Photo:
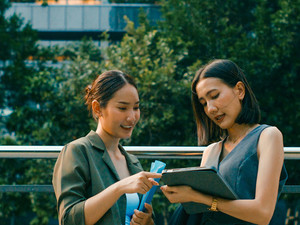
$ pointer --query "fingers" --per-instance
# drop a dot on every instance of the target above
(170, 193)
(147, 179)
(144, 183)
(152, 175)
(166, 188)
(153, 182)
(141, 182)
(177, 194)
(148, 208)
(140, 217)
(137, 218)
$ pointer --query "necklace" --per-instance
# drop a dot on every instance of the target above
(241, 136)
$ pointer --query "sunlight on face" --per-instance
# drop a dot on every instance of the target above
(122, 113)
(220, 102)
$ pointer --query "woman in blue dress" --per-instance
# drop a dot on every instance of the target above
(248, 155)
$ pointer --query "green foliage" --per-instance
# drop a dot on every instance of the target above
(46, 93)
(46, 98)
(12, 204)
(261, 36)
(25, 171)
(55, 112)
(165, 99)
(274, 66)
(42, 204)
(17, 42)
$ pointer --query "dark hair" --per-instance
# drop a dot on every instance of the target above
(105, 86)
(230, 74)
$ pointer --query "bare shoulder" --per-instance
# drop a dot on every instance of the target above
(271, 140)
(271, 133)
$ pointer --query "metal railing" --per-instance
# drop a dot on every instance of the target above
(152, 152)
(142, 152)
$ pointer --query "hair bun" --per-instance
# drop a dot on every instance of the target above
(88, 89)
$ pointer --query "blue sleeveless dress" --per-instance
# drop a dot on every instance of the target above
(239, 168)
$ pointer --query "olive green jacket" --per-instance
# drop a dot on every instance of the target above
(82, 170)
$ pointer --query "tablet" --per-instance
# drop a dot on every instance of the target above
(204, 179)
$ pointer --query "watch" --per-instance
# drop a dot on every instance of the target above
(214, 205)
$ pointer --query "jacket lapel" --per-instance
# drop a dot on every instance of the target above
(97, 142)
(133, 163)
(106, 158)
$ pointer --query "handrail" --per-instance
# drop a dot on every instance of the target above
(150, 152)
(178, 152)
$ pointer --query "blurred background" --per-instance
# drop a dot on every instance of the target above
(50, 50)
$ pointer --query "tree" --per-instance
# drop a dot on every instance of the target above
(56, 115)
(165, 113)
(17, 43)
(259, 35)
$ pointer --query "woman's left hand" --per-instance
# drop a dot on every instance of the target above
(178, 194)
(142, 218)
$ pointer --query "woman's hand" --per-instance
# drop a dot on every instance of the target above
(141, 182)
(142, 218)
(178, 194)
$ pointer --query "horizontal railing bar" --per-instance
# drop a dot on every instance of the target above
(151, 152)
(287, 189)
(291, 189)
(26, 188)
(186, 152)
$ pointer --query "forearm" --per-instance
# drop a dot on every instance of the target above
(96, 206)
(251, 210)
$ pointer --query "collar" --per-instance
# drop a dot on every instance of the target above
(131, 158)
(97, 142)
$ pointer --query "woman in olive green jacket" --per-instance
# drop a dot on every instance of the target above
(94, 175)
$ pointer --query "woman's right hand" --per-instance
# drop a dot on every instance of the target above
(179, 194)
(141, 182)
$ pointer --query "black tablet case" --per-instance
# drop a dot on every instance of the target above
(205, 180)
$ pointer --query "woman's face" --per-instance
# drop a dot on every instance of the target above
(221, 103)
(121, 113)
